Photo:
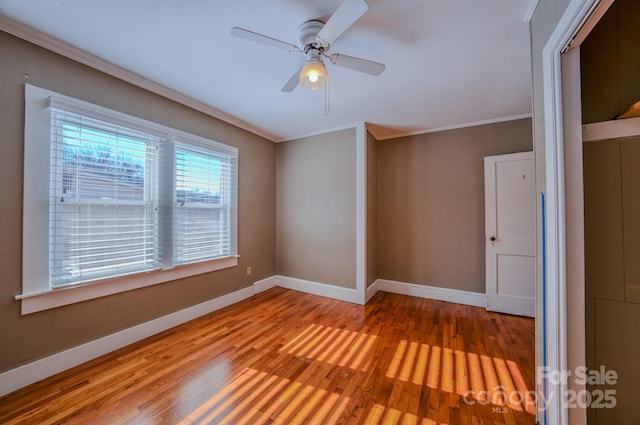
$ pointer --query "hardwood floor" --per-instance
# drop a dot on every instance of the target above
(294, 358)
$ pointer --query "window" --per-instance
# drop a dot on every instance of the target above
(202, 208)
(119, 202)
(103, 204)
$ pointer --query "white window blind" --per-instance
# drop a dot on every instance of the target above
(103, 208)
(204, 203)
(118, 201)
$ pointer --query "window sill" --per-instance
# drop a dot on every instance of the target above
(58, 297)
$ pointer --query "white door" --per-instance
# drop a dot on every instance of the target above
(510, 220)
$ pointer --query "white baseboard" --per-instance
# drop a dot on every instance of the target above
(322, 289)
(371, 291)
(265, 284)
(40, 369)
(475, 299)
(22, 376)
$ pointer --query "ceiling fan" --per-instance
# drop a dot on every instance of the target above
(314, 40)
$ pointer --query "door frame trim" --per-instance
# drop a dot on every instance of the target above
(555, 337)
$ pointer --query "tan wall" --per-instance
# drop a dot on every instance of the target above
(27, 338)
(612, 219)
(372, 208)
(610, 60)
(612, 250)
(316, 208)
(610, 63)
(431, 203)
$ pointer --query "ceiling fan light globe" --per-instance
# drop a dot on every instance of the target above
(313, 75)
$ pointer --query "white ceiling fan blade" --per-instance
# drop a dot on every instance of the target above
(293, 81)
(344, 16)
(263, 39)
(357, 64)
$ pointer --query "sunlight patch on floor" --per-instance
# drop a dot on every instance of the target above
(379, 415)
(485, 379)
(255, 397)
(332, 345)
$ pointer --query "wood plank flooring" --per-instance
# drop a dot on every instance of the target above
(285, 357)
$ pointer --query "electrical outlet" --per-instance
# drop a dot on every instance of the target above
(249, 271)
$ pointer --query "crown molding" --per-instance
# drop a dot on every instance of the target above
(319, 132)
(60, 47)
(380, 135)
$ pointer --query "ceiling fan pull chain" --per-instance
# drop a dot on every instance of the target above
(326, 95)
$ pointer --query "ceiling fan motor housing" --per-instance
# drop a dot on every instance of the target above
(314, 41)
(307, 35)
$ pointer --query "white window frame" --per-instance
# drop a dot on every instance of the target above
(59, 201)
(37, 293)
(228, 190)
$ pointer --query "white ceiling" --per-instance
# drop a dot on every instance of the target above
(449, 62)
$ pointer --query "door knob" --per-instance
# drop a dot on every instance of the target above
(492, 238)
